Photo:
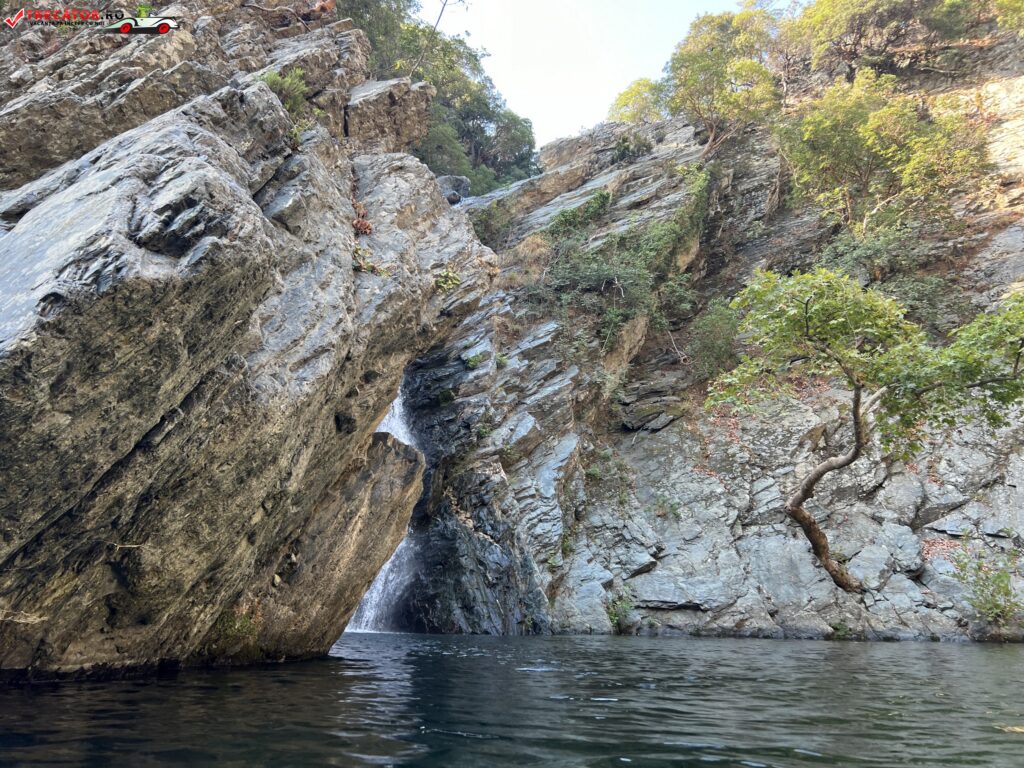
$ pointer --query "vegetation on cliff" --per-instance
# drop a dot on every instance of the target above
(731, 67)
(629, 273)
(472, 133)
(830, 84)
(871, 157)
(899, 382)
(715, 77)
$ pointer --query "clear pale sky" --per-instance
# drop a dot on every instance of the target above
(562, 62)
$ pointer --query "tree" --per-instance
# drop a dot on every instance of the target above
(510, 149)
(826, 323)
(643, 101)
(472, 133)
(382, 21)
(872, 157)
(1011, 14)
(844, 33)
(789, 52)
(714, 77)
(885, 34)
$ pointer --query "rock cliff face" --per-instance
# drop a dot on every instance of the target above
(575, 488)
(196, 346)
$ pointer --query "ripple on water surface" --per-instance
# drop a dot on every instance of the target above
(566, 701)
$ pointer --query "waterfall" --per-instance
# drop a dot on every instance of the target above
(374, 611)
(396, 422)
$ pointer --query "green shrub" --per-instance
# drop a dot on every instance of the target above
(510, 456)
(871, 158)
(662, 505)
(932, 301)
(677, 297)
(1011, 14)
(631, 146)
(572, 221)
(631, 273)
(892, 259)
(447, 281)
(876, 255)
(566, 546)
(989, 577)
(290, 88)
(492, 224)
(712, 340)
(694, 211)
(620, 607)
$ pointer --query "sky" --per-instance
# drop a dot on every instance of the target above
(560, 63)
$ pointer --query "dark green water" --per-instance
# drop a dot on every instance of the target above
(584, 701)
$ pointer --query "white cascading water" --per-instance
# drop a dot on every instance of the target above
(375, 608)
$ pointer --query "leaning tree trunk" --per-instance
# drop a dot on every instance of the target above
(795, 503)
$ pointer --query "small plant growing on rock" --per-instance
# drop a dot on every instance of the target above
(989, 577)
(447, 281)
(296, 131)
(510, 455)
(620, 607)
(841, 631)
(484, 427)
(630, 147)
(711, 349)
(290, 88)
(362, 263)
(663, 505)
(567, 546)
(475, 361)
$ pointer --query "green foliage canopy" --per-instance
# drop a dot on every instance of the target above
(643, 101)
(472, 132)
(715, 77)
(632, 272)
(871, 156)
(884, 34)
(1011, 14)
(827, 323)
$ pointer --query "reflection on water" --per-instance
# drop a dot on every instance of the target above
(581, 701)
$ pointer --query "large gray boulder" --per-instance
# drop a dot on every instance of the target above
(196, 348)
